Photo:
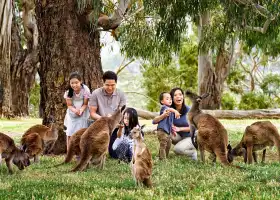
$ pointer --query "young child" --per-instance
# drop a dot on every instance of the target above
(164, 128)
(123, 145)
(77, 113)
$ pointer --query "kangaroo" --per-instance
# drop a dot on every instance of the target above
(74, 146)
(211, 136)
(257, 136)
(141, 164)
(95, 140)
(11, 153)
(33, 145)
(48, 134)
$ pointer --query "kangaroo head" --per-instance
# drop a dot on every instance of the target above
(195, 98)
(116, 117)
(21, 159)
(237, 151)
(136, 132)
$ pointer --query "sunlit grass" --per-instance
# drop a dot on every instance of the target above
(176, 178)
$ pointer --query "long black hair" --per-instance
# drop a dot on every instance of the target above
(70, 89)
(183, 110)
(133, 120)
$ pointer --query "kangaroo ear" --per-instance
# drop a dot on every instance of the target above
(143, 126)
(123, 107)
(188, 92)
(229, 147)
(204, 96)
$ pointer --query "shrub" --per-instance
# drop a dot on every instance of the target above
(228, 101)
(253, 100)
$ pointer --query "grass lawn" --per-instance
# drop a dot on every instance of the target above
(176, 178)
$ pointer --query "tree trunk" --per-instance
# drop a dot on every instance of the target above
(6, 16)
(65, 46)
(225, 114)
(211, 78)
(23, 70)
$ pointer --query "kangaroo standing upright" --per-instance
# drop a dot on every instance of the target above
(95, 140)
(257, 136)
(211, 136)
(141, 164)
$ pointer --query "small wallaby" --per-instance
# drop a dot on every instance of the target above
(141, 163)
(211, 134)
(32, 144)
(95, 140)
(74, 146)
(257, 136)
(11, 153)
(48, 134)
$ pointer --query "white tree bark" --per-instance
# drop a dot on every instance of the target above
(6, 16)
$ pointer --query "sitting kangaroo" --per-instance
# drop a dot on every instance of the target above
(211, 136)
(11, 153)
(257, 136)
(48, 134)
(95, 140)
(33, 145)
(141, 164)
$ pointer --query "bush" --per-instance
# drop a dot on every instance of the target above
(228, 101)
(253, 100)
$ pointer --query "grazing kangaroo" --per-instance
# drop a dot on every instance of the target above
(95, 140)
(74, 146)
(11, 153)
(141, 164)
(211, 136)
(257, 136)
(33, 145)
(48, 134)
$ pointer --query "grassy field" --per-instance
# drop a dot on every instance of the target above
(176, 178)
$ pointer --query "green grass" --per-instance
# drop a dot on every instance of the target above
(176, 178)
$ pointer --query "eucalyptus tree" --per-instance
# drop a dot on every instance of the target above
(220, 24)
(5, 43)
(69, 33)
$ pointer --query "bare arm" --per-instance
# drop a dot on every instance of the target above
(71, 107)
(85, 105)
(157, 119)
(176, 112)
(93, 113)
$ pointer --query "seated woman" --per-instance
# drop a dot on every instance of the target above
(181, 137)
(121, 144)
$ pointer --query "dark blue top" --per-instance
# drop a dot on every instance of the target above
(182, 122)
(166, 123)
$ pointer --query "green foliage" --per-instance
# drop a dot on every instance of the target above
(234, 79)
(228, 101)
(162, 78)
(255, 100)
(34, 100)
(271, 85)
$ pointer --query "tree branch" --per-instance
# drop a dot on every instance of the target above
(260, 29)
(121, 67)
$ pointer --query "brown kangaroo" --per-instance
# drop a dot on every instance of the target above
(141, 164)
(74, 146)
(211, 136)
(32, 144)
(257, 136)
(48, 134)
(11, 153)
(95, 140)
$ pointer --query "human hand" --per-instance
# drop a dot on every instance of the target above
(175, 129)
(177, 114)
(166, 113)
(81, 112)
(77, 112)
